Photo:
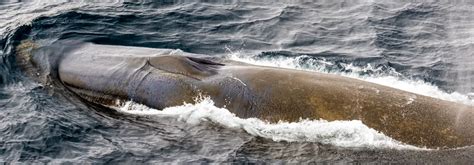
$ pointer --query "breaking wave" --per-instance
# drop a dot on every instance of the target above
(347, 134)
(383, 76)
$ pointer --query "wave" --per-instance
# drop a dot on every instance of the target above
(17, 15)
(383, 76)
(347, 134)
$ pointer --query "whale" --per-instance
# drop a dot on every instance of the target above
(160, 78)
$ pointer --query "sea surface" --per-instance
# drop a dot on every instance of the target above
(425, 47)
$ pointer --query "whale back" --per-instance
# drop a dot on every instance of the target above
(160, 78)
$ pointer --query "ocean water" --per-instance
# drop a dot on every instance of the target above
(425, 47)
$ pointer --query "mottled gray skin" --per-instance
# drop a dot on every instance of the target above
(160, 78)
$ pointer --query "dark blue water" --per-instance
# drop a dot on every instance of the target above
(427, 41)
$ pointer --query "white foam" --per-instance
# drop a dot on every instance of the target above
(347, 134)
(390, 78)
